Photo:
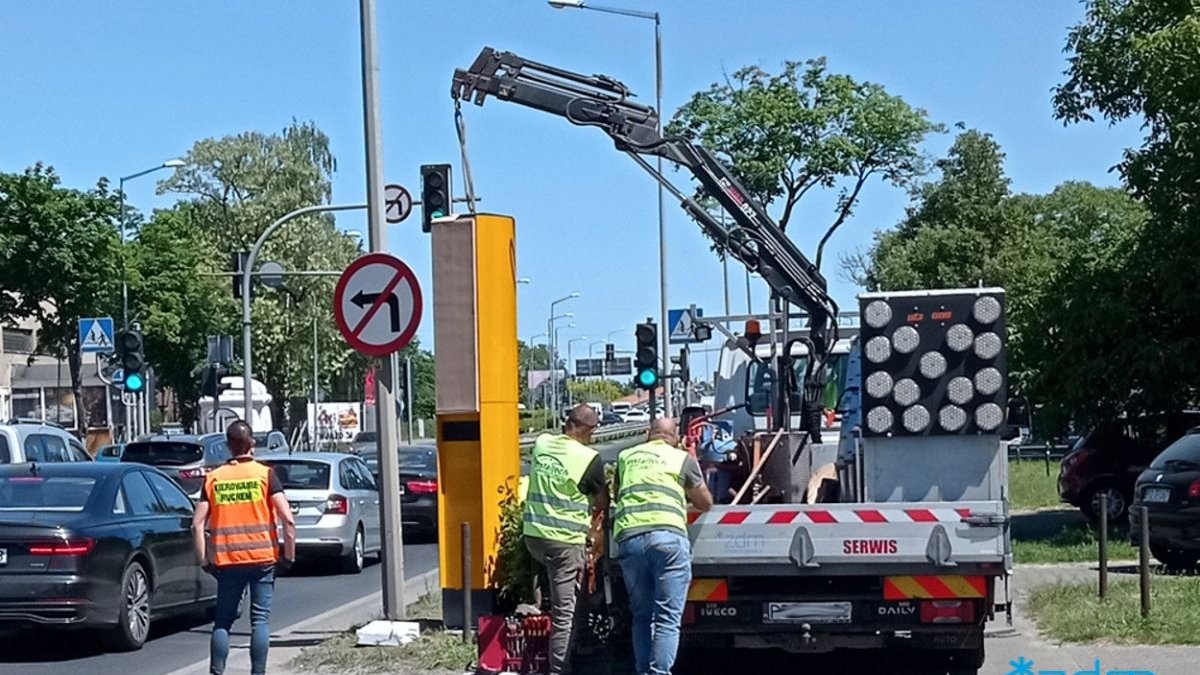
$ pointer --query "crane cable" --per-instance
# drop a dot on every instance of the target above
(460, 125)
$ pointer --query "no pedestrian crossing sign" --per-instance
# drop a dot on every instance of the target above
(377, 304)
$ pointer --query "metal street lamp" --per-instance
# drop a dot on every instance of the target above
(581, 338)
(593, 346)
(529, 345)
(169, 164)
(524, 280)
(554, 344)
(662, 230)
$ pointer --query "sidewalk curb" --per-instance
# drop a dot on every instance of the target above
(334, 620)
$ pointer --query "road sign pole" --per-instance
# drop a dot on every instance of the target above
(385, 402)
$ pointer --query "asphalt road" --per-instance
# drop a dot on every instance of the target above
(308, 590)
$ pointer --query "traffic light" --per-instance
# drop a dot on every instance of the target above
(610, 352)
(131, 350)
(435, 194)
(237, 263)
(681, 361)
(211, 384)
(646, 358)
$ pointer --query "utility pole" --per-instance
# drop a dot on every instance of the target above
(385, 400)
(312, 420)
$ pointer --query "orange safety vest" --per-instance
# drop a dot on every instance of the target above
(241, 521)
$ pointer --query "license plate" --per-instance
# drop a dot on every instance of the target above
(3, 556)
(1157, 495)
(806, 612)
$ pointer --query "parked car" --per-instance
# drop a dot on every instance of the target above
(609, 417)
(271, 442)
(30, 440)
(1169, 490)
(97, 544)
(636, 415)
(1109, 459)
(110, 453)
(419, 490)
(186, 459)
(335, 503)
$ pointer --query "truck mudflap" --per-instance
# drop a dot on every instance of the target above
(847, 538)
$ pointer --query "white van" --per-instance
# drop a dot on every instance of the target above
(620, 407)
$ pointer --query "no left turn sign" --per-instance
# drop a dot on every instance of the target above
(377, 304)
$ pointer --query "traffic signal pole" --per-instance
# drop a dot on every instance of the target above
(385, 390)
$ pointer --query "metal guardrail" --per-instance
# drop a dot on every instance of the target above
(1038, 451)
(603, 434)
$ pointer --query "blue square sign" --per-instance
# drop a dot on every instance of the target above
(679, 326)
(96, 335)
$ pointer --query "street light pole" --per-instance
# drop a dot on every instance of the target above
(662, 229)
(571, 397)
(554, 347)
(169, 164)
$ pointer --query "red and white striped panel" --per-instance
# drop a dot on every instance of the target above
(793, 516)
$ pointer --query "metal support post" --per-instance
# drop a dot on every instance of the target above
(468, 620)
(385, 397)
(312, 422)
(662, 224)
(408, 393)
(1144, 561)
(1103, 545)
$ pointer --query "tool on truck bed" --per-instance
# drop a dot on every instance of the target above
(752, 238)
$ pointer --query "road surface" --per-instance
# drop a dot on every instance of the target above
(307, 591)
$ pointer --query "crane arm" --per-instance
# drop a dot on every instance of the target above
(753, 238)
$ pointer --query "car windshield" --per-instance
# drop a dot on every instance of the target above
(301, 475)
(418, 461)
(163, 453)
(1183, 454)
(45, 493)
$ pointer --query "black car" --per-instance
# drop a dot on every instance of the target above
(609, 417)
(419, 489)
(97, 544)
(1170, 493)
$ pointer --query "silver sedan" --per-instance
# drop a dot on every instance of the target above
(335, 503)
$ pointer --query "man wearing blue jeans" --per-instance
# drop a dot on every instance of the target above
(655, 482)
(241, 507)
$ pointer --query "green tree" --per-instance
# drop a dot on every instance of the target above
(235, 187)
(179, 306)
(785, 134)
(1063, 259)
(1136, 59)
(595, 391)
(60, 260)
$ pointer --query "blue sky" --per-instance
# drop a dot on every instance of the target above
(109, 88)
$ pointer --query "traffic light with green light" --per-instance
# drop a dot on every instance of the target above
(131, 350)
(435, 194)
(646, 358)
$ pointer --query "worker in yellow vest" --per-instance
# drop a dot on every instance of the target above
(564, 509)
(655, 482)
(241, 508)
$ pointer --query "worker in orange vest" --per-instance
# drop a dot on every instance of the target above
(241, 507)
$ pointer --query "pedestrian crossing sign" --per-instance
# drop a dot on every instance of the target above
(96, 335)
(679, 326)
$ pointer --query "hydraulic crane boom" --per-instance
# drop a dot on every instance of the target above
(753, 238)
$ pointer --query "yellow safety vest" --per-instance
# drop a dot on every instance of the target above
(651, 492)
(555, 509)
